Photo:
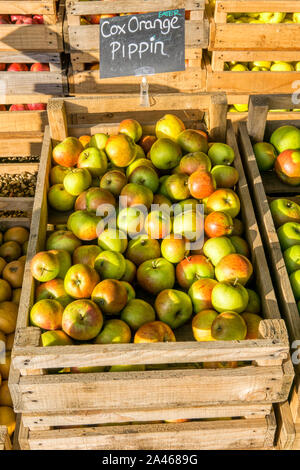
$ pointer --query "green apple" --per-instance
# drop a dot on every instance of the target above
(240, 245)
(292, 258)
(177, 187)
(261, 64)
(138, 367)
(289, 235)
(216, 248)
(286, 138)
(113, 239)
(254, 303)
(146, 176)
(94, 160)
(276, 17)
(77, 181)
(137, 312)
(229, 326)
(221, 154)
(282, 67)
(130, 290)
(59, 199)
(296, 17)
(265, 155)
(173, 307)
(225, 176)
(283, 210)
(229, 297)
(241, 108)
(238, 68)
(110, 265)
(131, 220)
(99, 141)
(138, 162)
(189, 225)
(295, 282)
(55, 338)
(165, 154)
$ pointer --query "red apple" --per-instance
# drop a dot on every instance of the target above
(287, 167)
(158, 224)
(38, 67)
(17, 68)
(39, 19)
(67, 152)
(84, 225)
(44, 266)
(135, 195)
(82, 320)
(234, 268)
(110, 295)
(47, 314)
(192, 162)
(200, 293)
(201, 184)
(53, 289)
(80, 281)
(18, 107)
(218, 224)
(37, 106)
(154, 332)
(193, 268)
(86, 254)
(224, 200)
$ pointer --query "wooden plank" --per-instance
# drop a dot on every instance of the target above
(16, 203)
(6, 223)
(253, 6)
(286, 428)
(49, 83)
(5, 442)
(17, 168)
(23, 121)
(27, 7)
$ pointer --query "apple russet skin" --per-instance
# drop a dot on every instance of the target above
(136, 195)
(80, 281)
(142, 248)
(193, 268)
(155, 275)
(218, 224)
(287, 167)
(173, 307)
(224, 200)
(252, 322)
(289, 235)
(292, 258)
(56, 338)
(165, 154)
(85, 225)
(226, 296)
(174, 249)
(265, 155)
(154, 332)
(82, 320)
(44, 266)
(77, 181)
(94, 160)
(113, 181)
(110, 295)
(113, 239)
(121, 150)
(10, 251)
(63, 240)
(86, 254)
(67, 152)
(59, 199)
(286, 138)
(191, 140)
(229, 326)
(53, 289)
(137, 312)
(202, 323)
(201, 184)
(221, 154)
(216, 248)
(193, 162)
(283, 210)
(169, 126)
(234, 268)
(47, 314)
(114, 332)
(110, 265)
(200, 293)
(16, 234)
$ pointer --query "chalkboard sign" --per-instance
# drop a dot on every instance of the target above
(142, 44)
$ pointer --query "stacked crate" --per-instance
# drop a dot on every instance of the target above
(83, 43)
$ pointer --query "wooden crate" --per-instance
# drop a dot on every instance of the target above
(268, 37)
(32, 87)
(56, 400)
(83, 41)
(263, 187)
(5, 442)
(249, 82)
(35, 37)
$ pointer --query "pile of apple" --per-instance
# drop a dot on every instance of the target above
(282, 153)
(21, 19)
(286, 217)
(104, 284)
(260, 18)
(262, 66)
(13, 248)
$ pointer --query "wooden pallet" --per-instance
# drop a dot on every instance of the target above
(249, 82)
(74, 399)
(83, 41)
(268, 37)
(37, 37)
(260, 127)
(32, 87)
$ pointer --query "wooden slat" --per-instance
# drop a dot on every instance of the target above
(27, 7)
(23, 121)
(17, 168)
(5, 442)
(253, 6)
(26, 83)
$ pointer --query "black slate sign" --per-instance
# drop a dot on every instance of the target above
(142, 44)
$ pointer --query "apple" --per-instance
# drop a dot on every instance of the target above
(130, 272)
(82, 320)
(44, 266)
(254, 303)
(131, 128)
(17, 68)
(174, 248)
(221, 154)
(18, 107)
(177, 187)
(200, 294)
(5, 290)
(142, 248)
(154, 332)
(286, 138)
(137, 163)
(131, 221)
(16, 234)
(283, 210)
(113, 239)
(13, 274)
(47, 314)
(114, 332)
(191, 140)
(85, 140)
(218, 224)
(165, 154)
(193, 162)
(225, 176)
(136, 313)
(238, 227)
(288, 234)
(62, 240)
(169, 126)
(234, 268)
(38, 67)
(295, 283)
(155, 275)
(193, 268)
(53, 289)
(110, 265)
(65, 261)
(201, 184)
(59, 199)
(80, 281)
(8, 317)
(136, 195)
(158, 224)
(55, 338)
(113, 181)
(85, 225)
(110, 295)
(224, 200)
(10, 251)
(292, 258)
(238, 68)
(5, 397)
(130, 290)
(99, 141)
(77, 180)
(86, 254)
(265, 155)
(121, 150)
(146, 142)
(296, 17)
(57, 174)
(229, 326)
(37, 106)
(227, 296)
(173, 307)
(126, 368)
(216, 248)
(98, 200)
(189, 224)
(252, 323)
(202, 324)
(287, 167)
(93, 160)
(67, 152)
(282, 67)
(145, 176)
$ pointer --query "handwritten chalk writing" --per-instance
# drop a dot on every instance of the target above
(169, 13)
(127, 51)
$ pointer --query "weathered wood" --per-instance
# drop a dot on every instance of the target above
(5, 442)
(27, 7)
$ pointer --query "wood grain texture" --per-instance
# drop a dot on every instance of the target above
(5, 442)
